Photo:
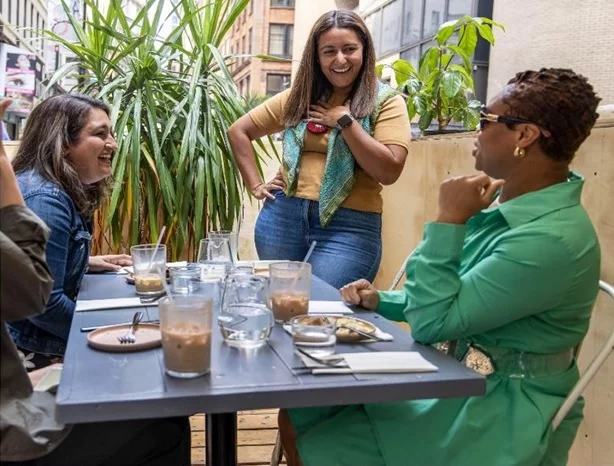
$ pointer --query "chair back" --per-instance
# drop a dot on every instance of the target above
(592, 369)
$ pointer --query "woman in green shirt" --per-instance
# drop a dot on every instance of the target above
(509, 271)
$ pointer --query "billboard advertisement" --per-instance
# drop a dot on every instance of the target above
(19, 70)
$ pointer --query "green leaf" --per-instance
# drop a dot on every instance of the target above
(403, 70)
(451, 82)
(446, 31)
(468, 39)
(486, 33)
(425, 120)
(461, 53)
(379, 70)
(420, 103)
(429, 61)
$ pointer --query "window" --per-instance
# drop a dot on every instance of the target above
(433, 15)
(275, 83)
(250, 40)
(459, 8)
(412, 55)
(243, 50)
(391, 27)
(247, 82)
(283, 3)
(280, 40)
(412, 19)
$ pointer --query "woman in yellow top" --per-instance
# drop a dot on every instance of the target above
(513, 282)
(346, 135)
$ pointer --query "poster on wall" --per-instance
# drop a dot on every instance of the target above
(20, 81)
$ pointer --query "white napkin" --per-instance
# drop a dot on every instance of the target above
(328, 307)
(385, 362)
(115, 303)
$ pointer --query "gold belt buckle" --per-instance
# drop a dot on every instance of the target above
(478, 361)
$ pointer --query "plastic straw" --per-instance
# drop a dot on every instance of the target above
(300, 270)
(153, 256)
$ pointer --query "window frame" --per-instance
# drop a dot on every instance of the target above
(287, 41)
(282, 75)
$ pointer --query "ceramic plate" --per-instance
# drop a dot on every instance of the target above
(105, 338)
(345, 335)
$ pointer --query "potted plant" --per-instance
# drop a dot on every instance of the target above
(172, 100)
(441, 89)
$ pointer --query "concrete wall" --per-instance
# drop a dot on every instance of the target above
(555, 33)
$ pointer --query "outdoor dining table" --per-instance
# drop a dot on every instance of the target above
(100, 386)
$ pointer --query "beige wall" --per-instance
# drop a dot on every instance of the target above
(555, 33)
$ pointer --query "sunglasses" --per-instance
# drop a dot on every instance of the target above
(486, 117)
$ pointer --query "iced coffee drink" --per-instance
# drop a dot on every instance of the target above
(289, 289)
(289, 304)
(187, 349)
(149, 265)
(185, 324)
(148, 284)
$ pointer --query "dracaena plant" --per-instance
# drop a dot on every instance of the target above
(441, 89)
(172, 100)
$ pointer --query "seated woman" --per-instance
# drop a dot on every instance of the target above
(509, 270)
(62, 165)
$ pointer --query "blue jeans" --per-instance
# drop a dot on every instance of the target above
(349, 248)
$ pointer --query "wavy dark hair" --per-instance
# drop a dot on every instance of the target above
(559, 100)
(52, 127)
(310, 85)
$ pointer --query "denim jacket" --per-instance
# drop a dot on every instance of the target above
(67, 255)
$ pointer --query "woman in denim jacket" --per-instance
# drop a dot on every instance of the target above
(62, 166)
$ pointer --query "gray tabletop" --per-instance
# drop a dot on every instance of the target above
(100, 386)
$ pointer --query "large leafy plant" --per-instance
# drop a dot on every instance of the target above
(441, 89)
(172, 100)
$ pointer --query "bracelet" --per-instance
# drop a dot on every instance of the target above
(256, 187)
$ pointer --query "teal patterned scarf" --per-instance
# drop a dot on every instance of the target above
(339, 176)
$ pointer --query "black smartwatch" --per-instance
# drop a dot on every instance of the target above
(345, 121)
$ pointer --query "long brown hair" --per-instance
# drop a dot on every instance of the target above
(310, 85)
(52, 127)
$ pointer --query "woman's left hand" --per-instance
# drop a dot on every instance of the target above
(324, 113)
(461, 197)
(110, 263)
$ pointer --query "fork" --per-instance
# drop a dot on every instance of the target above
(129, 336)
(331, 362)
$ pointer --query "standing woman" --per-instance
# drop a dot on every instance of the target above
(346, 135)
(62, 167)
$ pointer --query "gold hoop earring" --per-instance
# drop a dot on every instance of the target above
(519, 153)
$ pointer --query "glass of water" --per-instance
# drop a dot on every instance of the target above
(315, 335)
(185, 279)
(215, 256)
(245, 320)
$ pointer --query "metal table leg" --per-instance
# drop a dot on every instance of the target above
(221, 442)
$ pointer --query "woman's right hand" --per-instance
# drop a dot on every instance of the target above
(360, 293)
(262, 190)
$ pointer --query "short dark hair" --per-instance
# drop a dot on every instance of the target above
(310, 85)
(560, 101)
(52, 127)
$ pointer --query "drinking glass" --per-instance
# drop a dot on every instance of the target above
(215, 255)
(289, 289)
(233, 241)
(185, 279)
(149, 269)
(314, 334)
(185, 325)
(245, 320)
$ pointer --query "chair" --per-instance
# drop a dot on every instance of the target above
(591, 371)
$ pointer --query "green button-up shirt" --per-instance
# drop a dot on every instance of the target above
(521, 275)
